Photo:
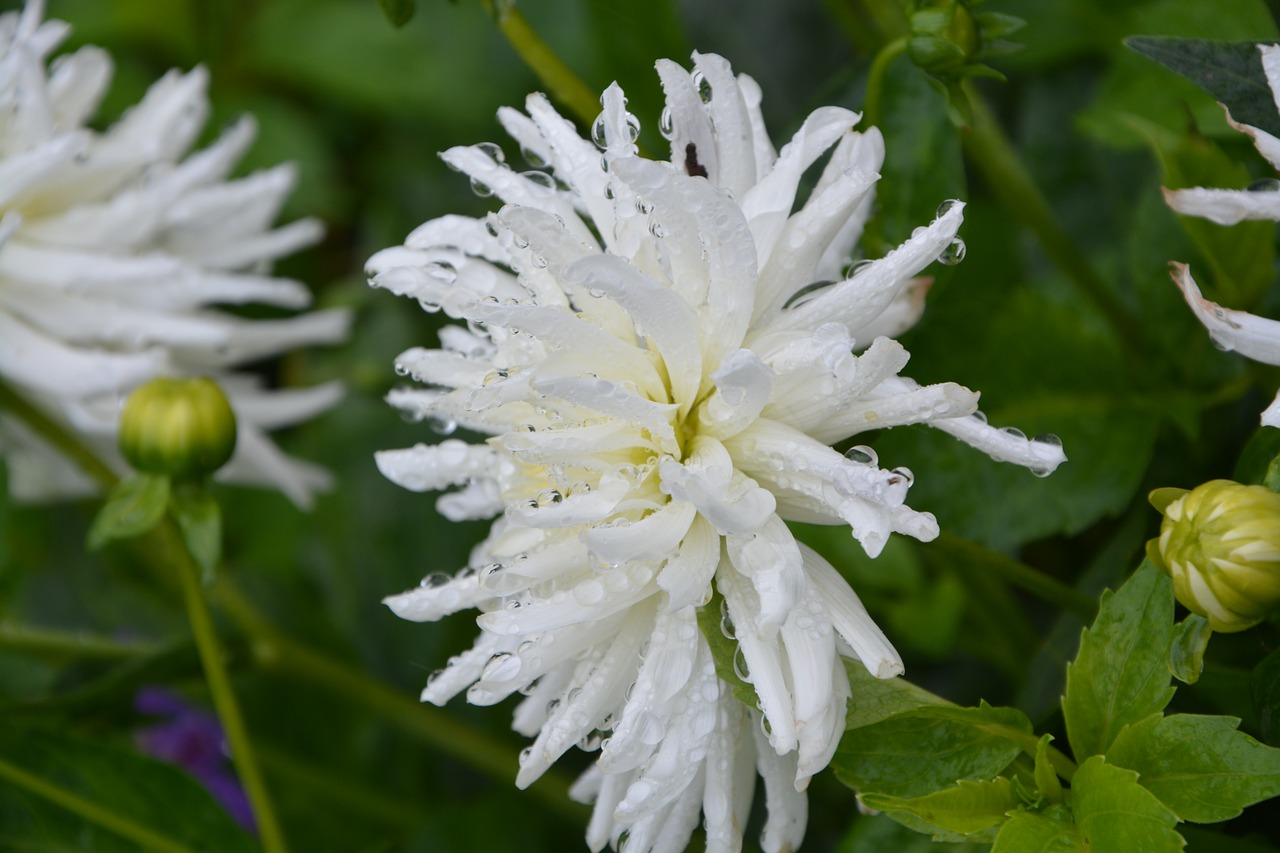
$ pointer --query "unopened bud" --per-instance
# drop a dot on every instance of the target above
(180, 427)
(1220, 542)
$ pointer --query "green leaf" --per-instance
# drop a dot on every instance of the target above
(1046, 777)
(876, 699)
(143, 791)
(132, 508)
(1264, 687)
(1230, 71)
(1121, 673)
(398, 12)
(1201, 767)
(880, 834)
(920, 751)
(1186, 652)
(200, 521)
(724, 651)
(1115, 814)
(967, 809)
(1255, 460)
(1049, 831)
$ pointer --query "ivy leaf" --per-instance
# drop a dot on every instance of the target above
(134, 506)
(1186, 652)
(1230, 71)
(1048, 831)
(1201, 767)
(930, 748)
(1115, 813)
(1121, 674)
(200, 521)
(966, 809)
(398, 12)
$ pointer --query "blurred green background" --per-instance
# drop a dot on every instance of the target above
(362, 108)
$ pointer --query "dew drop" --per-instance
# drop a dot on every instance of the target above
(435, 580)
(857, 268)
(493, 150)
(804, 294)
(519, 241)
(1265, 185)
(541, 179)
(494, 376)
(597, 132)
(503, 666)
(480, 188)
(442, 425)
(533, 158)
(608, 192)
(953, 254)
(539, 262)
(862, 455)
(643, 207)
(656, 229)
(633, 128)
(946, 207)
(906, 474)
(1048, 438)
(703, 85)
(740, 667)
(726, 622)
(666, 124)
(549, 497)
(1014, 432)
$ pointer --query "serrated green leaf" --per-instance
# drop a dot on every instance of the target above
(1115, 814)
(1201, 767)
(132, 508)
(1121, 673)
(200, 521)
(1047, 782)
(1264, 688)
(875, 699)
(398, 12)
(920, 751)
(146, 792)
(1186, 652)
(724, 650)
(967, 809)
(1230, 71)
(1048, 831)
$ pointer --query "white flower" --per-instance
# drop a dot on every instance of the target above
(661, 384)
(115, 250)
(1253, 337)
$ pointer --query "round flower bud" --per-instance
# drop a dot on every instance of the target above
(1220, 542)
(180, 427)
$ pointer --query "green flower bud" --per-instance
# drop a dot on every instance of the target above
(1220, 542)
(181, 427)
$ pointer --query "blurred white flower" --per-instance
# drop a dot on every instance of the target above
(116, 249)
(661, 354)
(1253, 337)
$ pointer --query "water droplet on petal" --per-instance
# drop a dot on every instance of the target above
(633, 128)
(953, 254)
(549, 497)
(862, 455)
(434, 580)
(857, 268)
(1014, 432)
(703, 85)
(906, 474)
(533, 158)
(804, 294)
(480, 188)
(503, 666)
(1265, 185)
(493, 150)
(945, 207)
(666, 124)
(541, 179)
(597, 132)
(1048, 438)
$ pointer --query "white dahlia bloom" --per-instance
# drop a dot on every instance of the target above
(116, 249)
(661, 354)
(1253, 337)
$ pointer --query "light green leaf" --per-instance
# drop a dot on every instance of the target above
(967, 809)
(1046, 777)
(1049, 831)
(200, 521)
(132, 508)
(920, 751)
(1230, 71)
(1121, 673)
(1201, 767)
(875, 699)
(880, 834)
(1186, 652)
(1117, 815)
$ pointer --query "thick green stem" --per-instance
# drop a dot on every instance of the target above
(562, 84)
(66, 645)
(872, 104)
(145, 838)
(991, 152)
(224, 699)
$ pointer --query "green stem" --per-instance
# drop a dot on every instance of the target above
(1023, 576)
(63, 645)
(562, 84)
(438, 729)
(872, 104)
(224, 700)
(144, 837)
(994, 156)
